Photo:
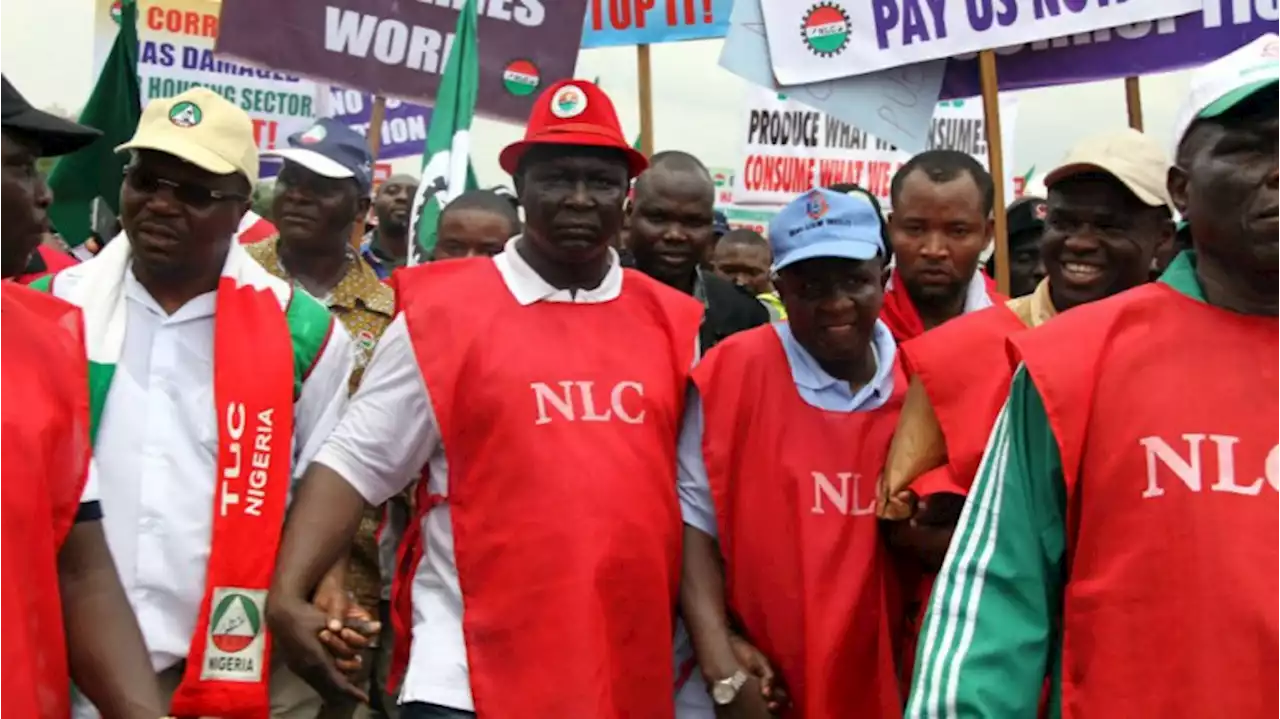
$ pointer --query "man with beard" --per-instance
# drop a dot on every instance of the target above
(386, 246)
(672, 232)
(1108, 216)
(1113, 538)
(940, 224)
(66, 614)
(536, 397)
(212, 382)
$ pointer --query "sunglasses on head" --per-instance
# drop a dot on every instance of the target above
(191, 195)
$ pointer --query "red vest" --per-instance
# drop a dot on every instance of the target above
(560, 423)
(964, 367)
(45, 445)
(1165, 412)
(806, 570)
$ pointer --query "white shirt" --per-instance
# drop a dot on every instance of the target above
(156, 456)
(387, 435)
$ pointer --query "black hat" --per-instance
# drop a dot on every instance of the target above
(1026, 216)
(53, 134)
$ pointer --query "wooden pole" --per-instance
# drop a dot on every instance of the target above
(646, 100)
(376, 115)
(995, 153)
(1133, 101)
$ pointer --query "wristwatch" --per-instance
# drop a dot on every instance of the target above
(725, 691)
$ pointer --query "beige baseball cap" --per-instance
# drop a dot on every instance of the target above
(1128, 155)
(201, 127)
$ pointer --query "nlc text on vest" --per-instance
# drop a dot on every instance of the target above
(577, 401)
(839, 497)
(1188, 469)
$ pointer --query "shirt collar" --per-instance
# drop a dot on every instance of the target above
(529, 287)
(808, 374)
(1181, 276)
(360, 286)
(976, 296)
(1036, 308)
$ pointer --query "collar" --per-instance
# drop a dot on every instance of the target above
(808, 374)
(1181, 276)
(1036, 308)
(976, 296)
(529, 287)
(359, 288)
(373, 247)
(700, 288)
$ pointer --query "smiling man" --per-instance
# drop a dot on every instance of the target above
(213, 383)
(1113, 538)
(671, 235)
(534, 398)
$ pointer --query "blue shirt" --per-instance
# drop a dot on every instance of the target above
(816, 387)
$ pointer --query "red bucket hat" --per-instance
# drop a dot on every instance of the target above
(573, 112)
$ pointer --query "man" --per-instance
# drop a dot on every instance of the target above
(211, 379)
(1025, 219)
(672, 231)
(940, 224)
(1111, 542)
(386, 246)
(476, 223)
(553, 381)
(743, 257)
(66, 613)
(777, 483)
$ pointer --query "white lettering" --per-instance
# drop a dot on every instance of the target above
(530, 13)
(589, 413)
(563, 403)
(391, 41)
(1186, 470)
(1272, 468)
(424, 49)
(1227, 468)
(615, 400)
(822, 487)
(347, 31)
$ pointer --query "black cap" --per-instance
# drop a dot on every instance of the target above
(53, 134)
(1026, 217)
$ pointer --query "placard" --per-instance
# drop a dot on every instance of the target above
(611, 23)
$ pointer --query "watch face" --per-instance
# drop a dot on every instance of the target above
(723, 693)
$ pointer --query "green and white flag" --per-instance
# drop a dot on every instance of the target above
(446, 166)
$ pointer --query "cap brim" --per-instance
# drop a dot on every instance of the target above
(838, 249)
(1224, 104)
(1082, 168)
(509, 159)
(313, 161)
(186, 151)
(52, 134)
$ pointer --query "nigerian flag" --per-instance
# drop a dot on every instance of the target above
(446, 166)
(114, 108)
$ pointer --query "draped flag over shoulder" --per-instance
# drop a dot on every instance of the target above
(446, 160)
(114, 108)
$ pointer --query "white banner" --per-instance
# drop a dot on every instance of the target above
(811, 41)
(786, 143)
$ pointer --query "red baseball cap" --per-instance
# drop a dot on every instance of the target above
(573, 112)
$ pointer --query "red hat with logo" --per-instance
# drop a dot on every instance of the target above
(573, 112)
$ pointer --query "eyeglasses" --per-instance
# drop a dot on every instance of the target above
(194, 196)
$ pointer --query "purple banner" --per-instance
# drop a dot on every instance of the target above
(397, 48)
(1138, 49)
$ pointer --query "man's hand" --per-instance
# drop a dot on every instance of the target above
(349, 628)
(757, 665)
(297, 626)
(749, 704)
(894, 506)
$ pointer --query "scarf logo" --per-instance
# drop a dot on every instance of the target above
(237, 640)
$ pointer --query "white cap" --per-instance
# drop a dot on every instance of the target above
(1227, 81)
(1127, 155)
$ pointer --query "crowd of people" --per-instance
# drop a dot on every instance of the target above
(603, 457)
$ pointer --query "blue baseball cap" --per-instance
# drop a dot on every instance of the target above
(823, 223)
(330, 149)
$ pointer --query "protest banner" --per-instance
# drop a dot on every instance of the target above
(613, 23)
(175, 53)
(785, 141)
(1141, 48)
(404, 126)
(722, 177)
(814, 41)
(895, 104)
(755, 219)
(398, 49)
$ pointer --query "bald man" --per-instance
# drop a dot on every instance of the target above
(672, 233)
(386, 247)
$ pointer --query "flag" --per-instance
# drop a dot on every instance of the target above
(97, 170)
(446, 161)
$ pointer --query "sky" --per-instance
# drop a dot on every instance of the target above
(697, 106)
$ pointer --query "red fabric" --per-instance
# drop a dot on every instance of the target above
(45, 444)
(1170, 603)
(964, 367)
(806, 570)
(227, 665)
(54, 261)
(566, 532)
(900, 314)
(260, 229)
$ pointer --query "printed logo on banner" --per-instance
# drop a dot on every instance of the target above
(825, 29)
(521, 78)
(569, 101)
(816, 206)
(185, 114)
(236, 639)
(312, 136)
